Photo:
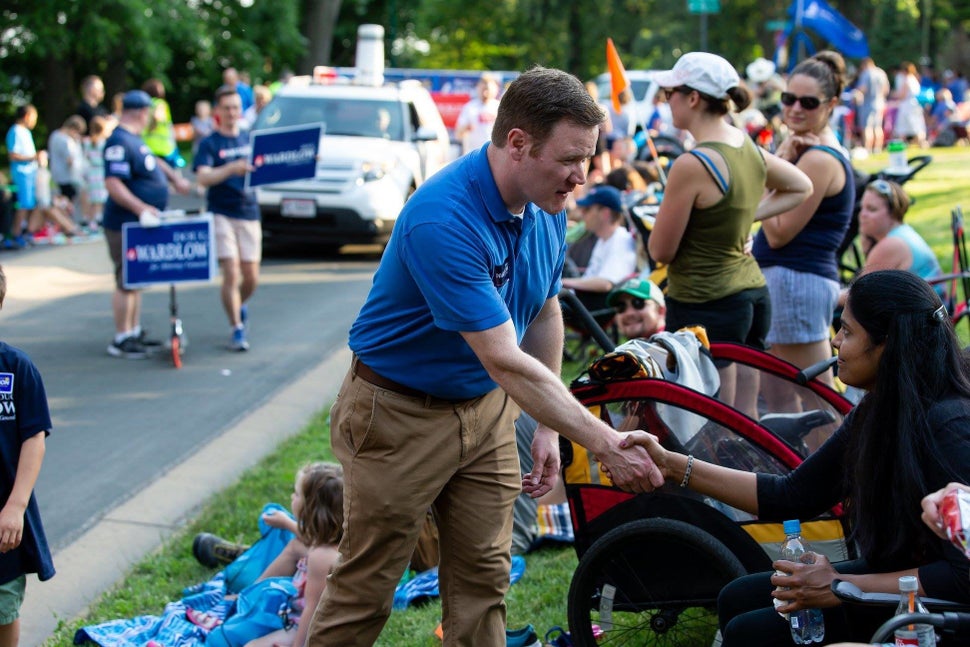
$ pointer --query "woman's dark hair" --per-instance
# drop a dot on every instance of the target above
(826, 67)
(739, 95)
(321, 521)
(155, 88)
(921, 363)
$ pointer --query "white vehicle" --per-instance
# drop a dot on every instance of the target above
(642, 87)
(379, 143)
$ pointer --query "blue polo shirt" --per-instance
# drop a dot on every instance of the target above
(23, 414)
(227, 198)
(127, 157)
(457, 261)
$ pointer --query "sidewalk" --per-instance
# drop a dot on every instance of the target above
(101, 556)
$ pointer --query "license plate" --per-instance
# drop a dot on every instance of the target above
(298, 208)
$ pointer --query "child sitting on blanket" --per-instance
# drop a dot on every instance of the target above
(317, 505)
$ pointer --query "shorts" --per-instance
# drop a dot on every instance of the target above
(870, 116)
(69, 191)
(742, 318)
(238, 238)
(11, 599)
(113, 238)
(801, 305)
(26, 183)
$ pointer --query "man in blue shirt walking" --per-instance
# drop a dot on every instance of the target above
(461, 328)
(221, 164)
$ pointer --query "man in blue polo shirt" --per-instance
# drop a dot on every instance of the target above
(137, 184)
(461, 328)
(221, 164)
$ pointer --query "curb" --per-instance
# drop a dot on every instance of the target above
(100, 557)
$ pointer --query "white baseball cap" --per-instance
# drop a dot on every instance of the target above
(701, 71)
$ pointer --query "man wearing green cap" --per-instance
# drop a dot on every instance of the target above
(640, 308)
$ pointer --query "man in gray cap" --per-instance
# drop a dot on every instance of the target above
(137, 184)
(614, 256)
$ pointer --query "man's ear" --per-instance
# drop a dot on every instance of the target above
(519, 143)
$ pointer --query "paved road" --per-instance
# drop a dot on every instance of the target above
(120, 424)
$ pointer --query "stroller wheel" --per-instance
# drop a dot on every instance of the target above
(650, 582)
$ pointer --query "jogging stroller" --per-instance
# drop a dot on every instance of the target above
(651, 565)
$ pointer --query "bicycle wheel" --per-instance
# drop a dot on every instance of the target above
(650, 582)
(177, 351)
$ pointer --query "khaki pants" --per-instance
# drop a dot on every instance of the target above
(402, 455)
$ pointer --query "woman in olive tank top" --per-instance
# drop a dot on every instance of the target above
(713, 196)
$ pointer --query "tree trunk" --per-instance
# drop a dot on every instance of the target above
(319, 21)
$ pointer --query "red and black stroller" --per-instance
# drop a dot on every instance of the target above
(651, 565)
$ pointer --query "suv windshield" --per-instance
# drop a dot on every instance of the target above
(351, 117)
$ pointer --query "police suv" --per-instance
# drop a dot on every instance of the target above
(379, 143)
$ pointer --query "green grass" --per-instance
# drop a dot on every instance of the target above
(540, 597)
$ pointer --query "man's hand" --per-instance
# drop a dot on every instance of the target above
(630, 466)
(545, 463)
(11, 527)
(182, 185)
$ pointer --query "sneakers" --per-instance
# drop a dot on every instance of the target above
(212, 551)
(146, 342)
(524, 637)
(238, 341)
(128, 348)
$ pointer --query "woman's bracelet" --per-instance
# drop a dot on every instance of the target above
(690, 466)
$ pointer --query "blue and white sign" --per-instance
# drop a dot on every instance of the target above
(177, 251)
(284, 154)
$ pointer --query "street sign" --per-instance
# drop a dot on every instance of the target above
(704, 6)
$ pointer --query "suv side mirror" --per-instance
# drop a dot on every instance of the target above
(425, 134)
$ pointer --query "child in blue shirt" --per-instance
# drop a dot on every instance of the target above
(25, 423)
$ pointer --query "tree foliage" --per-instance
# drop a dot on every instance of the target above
(47, 46)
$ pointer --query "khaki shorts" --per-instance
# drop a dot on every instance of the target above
(237, 238)
(11, 598)
(113, 238)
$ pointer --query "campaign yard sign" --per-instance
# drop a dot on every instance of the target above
(177, 251)
(283, 154)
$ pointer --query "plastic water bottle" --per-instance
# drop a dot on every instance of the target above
(807, 625)
(909, 602)
(897, 156)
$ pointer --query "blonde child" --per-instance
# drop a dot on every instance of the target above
(317, 505)
(100, 129)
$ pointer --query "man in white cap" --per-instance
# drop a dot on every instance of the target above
(137, 184)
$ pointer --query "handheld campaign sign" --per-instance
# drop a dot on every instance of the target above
(177, 251)
(284, 154)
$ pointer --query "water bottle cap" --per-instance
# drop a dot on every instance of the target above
(895, 146)
(908, 583)
(793, 527)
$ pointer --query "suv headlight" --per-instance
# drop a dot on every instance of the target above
(370, 171)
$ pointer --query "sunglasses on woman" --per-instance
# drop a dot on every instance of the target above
(637, 303)
(680, 89)
(808, 102)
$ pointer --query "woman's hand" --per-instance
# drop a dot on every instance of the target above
(794, 145)
(809, 586)
(931, 508)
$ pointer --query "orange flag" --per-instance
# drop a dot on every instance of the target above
(618, 80)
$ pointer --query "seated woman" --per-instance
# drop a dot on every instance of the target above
(887, 241)
(908, 436)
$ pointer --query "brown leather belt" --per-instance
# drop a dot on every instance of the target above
(365, 372)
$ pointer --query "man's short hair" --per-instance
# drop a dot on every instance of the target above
(223, 91)
(23, 110)
(75, 123)
(538, 100)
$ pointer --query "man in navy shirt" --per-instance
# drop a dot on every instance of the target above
(137, 184)
(221, 164)
(461, 328)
